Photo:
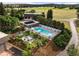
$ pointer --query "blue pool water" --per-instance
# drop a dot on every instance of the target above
(43, 31)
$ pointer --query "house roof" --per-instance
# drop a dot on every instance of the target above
(32, 14)
(3, 35)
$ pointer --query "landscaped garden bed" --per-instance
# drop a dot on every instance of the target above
(27, 46)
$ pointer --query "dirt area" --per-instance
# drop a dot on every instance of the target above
(6, 53)
(49, 50)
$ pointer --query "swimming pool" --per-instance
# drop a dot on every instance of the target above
(43, 31)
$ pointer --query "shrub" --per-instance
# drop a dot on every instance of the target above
(13, 12)
(59, 41)
(26, 33)
(8, 23)
(26, 53)
(43, 14)
(77, 23)
(62, 40)
(72, 51)
(19, 14)
(32, 11)
(41, 19)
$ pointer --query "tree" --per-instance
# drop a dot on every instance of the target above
(2, 10)
(44, 21)
(49, 22)
(59, 41)
(77, 23)
(62, 40)
(49, 14)
(8, 23)
(19, 14)
(32, 11)
(43, 14)
(41, 19)
(78, 13)
(13, 12)
(72, 51)
(62, 26)
(26, 33)
(58, 25)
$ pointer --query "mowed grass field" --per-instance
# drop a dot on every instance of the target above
(57, 13)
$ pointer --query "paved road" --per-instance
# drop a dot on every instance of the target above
(74, 39)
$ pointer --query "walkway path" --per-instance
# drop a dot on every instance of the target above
(74, 39)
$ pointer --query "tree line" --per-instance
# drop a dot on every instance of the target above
(42, 5)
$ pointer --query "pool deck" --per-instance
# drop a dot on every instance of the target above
(53, 31)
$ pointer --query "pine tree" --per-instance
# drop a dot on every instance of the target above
(49, 14)
(2, 10)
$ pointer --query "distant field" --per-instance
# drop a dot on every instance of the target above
(57, 13)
